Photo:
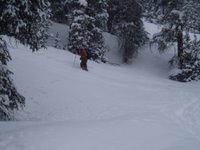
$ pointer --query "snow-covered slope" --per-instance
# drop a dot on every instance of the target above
(60, 30)
(126, 107)
(109, 107)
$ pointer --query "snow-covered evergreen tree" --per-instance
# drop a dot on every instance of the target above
(148, 8)
(84, 32)
(191, 62)
(128, 26)
(26, 21)
(165, 10)
(172, 20)
(10, 99)
(192, 16)
(79, 34)
(58, 11)
(98, 9)
(176, 17)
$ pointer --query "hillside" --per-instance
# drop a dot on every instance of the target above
(109, 107)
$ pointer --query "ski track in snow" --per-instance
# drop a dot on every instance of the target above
(186, 112)
(109, 107)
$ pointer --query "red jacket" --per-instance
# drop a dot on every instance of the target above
(83, 53)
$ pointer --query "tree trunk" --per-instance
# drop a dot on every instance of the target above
(180, 48)
(111, 14)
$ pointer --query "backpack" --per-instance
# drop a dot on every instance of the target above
(89, 53)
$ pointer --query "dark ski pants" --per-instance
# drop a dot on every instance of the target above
(83, 63)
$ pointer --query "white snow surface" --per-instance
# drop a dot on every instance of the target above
(126, 107)
(61, 30)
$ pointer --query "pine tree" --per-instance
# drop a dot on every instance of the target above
(149, 7)
(79, 34)
(112, 10)
(10, 99)
(85, 29)
(177, 17)
(192, 16)
(26, 21)
(98, 10)
(170, 17)
(128, 26)
(58, 11)
(191, 62)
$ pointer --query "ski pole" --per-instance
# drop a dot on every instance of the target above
(74, 60)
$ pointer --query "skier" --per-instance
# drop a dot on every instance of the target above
(82, 52)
